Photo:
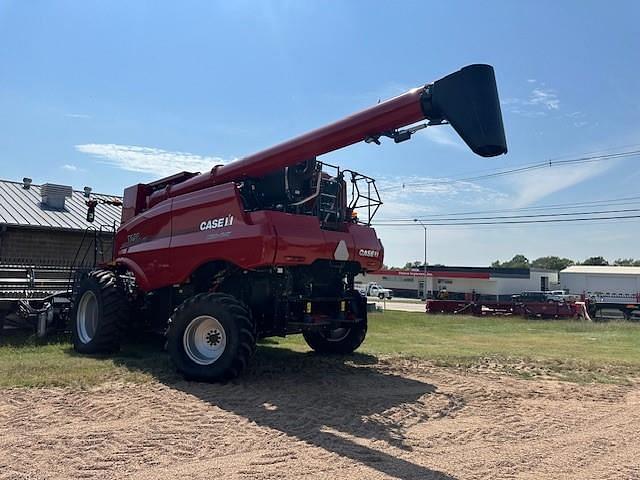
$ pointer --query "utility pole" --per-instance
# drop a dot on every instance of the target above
(424, 288)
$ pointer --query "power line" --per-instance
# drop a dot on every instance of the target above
(600, 203)
(601, 151)
(502, 228)
(522, 169)
(507, 222)
(564, 214)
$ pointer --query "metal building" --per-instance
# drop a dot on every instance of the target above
(461, 282)
(604, 283)
(44, 235)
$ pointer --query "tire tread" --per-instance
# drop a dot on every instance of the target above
(245, 328)
(113, 312)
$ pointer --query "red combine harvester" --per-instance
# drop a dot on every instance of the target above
(267, 245)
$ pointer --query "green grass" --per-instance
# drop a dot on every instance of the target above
(571, 350)
(31, 362)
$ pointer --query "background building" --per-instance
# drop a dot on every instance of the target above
(46, 225)
(606, 283)
(460, 282)
(44, 236)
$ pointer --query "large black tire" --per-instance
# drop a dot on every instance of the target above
(211, 337)
(342, 340)
(100, 310)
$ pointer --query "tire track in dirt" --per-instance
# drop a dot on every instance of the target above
(315, 418)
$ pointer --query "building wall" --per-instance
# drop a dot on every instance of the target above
(609, 287)
(33, 246)
(460, 287)
(405, 286)
(511, 286)
(498, 287)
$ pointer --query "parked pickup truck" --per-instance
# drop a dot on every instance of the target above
(561, 296)
(374, 290)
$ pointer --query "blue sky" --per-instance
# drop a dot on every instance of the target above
(108, 94)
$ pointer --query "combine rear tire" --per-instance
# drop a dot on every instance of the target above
(342, 340)
(99, 313)
(211, 337)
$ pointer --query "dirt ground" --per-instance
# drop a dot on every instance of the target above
(302, 418)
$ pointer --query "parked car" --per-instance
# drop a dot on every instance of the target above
(374, 290)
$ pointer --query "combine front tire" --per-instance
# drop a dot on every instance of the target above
(99, 313)
(342, 340)
(211, 337)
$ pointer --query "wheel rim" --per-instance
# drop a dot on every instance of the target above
(204, 340)
(337, 334)
(87, 317)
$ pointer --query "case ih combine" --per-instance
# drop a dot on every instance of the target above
(269, 244)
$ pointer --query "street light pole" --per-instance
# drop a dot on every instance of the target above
(424, 288)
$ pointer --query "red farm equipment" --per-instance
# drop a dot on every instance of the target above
(267, 245)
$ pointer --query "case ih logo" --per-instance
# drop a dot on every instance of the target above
(216, 223)
(369, 253)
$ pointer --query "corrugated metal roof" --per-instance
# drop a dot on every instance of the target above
(23, 207)
(609, 270)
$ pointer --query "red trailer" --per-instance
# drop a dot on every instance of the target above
(533, 309)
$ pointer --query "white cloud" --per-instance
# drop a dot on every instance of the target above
(69, 167)
(579, 118)
(77, 115)
(541, 183)
(414, 196)
(541, 100)
(510, 101)
(392, 209)
(545, 97)
(154, 161)
(398, 187)
(443, 135)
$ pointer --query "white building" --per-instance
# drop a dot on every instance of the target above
(607, 284)
(462, 282)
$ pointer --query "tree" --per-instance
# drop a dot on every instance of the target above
(627, 262)
(518, 261)
(416, 264)
(595, 261)
(552, 263)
